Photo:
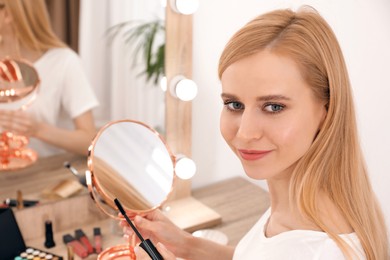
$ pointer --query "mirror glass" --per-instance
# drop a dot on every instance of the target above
(130, 161)
(122, 89)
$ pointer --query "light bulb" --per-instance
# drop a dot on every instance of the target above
(185, 168)
(163, 83)
(183, 88)
(185, 7)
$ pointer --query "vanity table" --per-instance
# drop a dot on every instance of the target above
(44, 173)
(239, 202)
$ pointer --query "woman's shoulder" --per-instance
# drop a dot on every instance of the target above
(58, 54)
(58, 58)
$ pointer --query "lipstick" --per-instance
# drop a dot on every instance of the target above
(79, 234)
(77, 247)
(98, 240)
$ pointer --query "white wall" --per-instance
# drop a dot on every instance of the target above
(363, 30)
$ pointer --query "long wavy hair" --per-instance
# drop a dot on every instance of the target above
(31, 24)
(334, 163)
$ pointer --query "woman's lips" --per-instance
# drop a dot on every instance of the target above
(252, 155)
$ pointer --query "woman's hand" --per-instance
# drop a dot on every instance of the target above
(159, 229)
(18, 122)
(164, 252)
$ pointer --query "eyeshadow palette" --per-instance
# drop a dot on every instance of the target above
(12, 245)
(36, 254)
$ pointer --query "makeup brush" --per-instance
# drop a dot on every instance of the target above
(80, 177)
(147, 245)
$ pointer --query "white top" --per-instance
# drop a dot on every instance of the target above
(295, 244)
(63, 94)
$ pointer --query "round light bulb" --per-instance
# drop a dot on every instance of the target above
(186, 6)
(164, 83)
(185, 168)
(186, 89)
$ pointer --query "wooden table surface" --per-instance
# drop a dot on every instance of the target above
(239, 202)
(43, 174)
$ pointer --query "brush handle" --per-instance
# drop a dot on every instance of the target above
(148, 246)
(123, 212)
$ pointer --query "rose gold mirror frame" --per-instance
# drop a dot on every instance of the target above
(94, 186)
(21, 156)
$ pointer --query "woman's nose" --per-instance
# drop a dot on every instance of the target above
(250, 127)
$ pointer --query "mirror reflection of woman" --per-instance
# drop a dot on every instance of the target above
(61, 116)
(289, 117)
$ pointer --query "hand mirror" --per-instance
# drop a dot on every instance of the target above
(19, 82)
(130, 161)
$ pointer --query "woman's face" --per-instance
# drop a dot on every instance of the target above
(270, 116)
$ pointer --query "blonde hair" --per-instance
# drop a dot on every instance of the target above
(31, 24)
(334, 163)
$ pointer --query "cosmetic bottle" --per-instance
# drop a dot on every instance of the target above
(49, 241)
(77, 247)
(79, 234)
(98, 240)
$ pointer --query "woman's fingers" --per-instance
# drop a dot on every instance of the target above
(141, 254)
(165, 253)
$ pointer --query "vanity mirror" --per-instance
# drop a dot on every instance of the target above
(131, 162)
(184, 210)
(18, 87)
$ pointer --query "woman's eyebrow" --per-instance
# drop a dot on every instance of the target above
(261, 98)
(228, 96)
(272, 97)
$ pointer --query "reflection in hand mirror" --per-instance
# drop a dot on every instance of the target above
(131, 162)
(18, 88)
(19, 82)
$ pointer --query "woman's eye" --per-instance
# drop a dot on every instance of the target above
(273, 108)
(234, 106)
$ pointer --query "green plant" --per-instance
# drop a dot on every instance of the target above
(141, 36)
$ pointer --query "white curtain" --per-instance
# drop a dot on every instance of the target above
(122, 92)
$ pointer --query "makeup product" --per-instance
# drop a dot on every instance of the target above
(19, 199)
(97, 239)
(26, 203)
(49, 241)
(36, 254)
(80, 177)
(77, 247)
(147, 244)
(70, 253)
(79, 234)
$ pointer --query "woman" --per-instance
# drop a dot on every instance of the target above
(289, 117)
(60, 118)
